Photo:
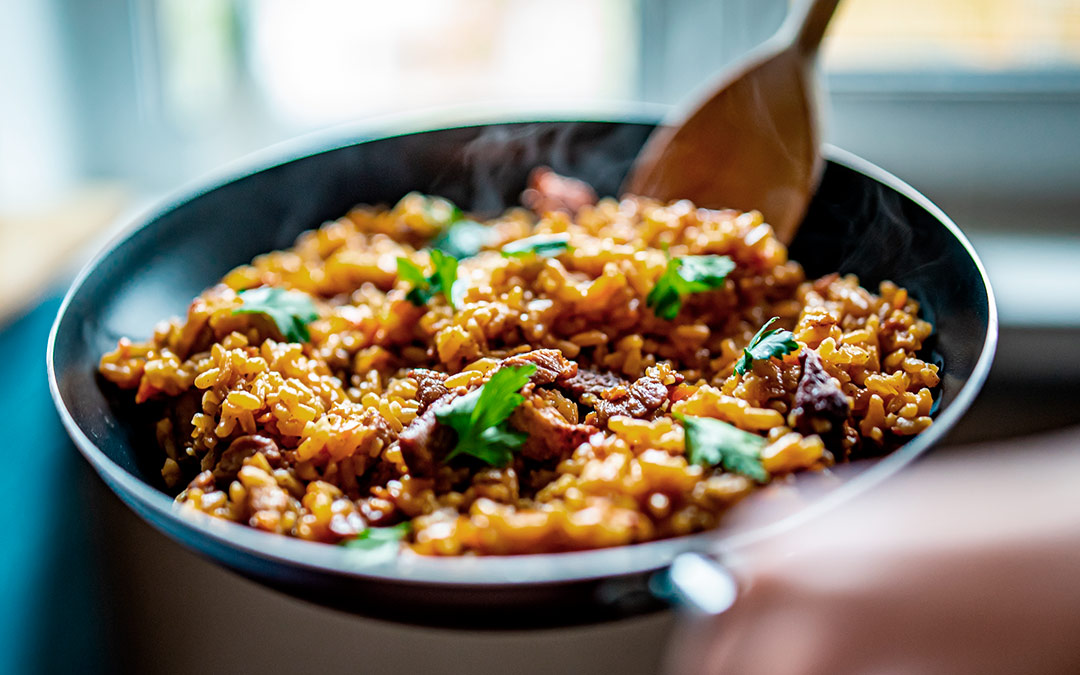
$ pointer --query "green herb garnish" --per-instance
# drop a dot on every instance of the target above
(765, 345)
(479, 417)
(442, 280)
(463, 238)
(291, 311)
(686, 275)
(445, 277)
(710, 442)
(458, 236)
(409, 271)
(379, 541)
(547, 245)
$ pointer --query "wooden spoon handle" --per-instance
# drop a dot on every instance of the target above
(814, 19)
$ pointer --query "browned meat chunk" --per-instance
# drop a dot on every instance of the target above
(820, 406)
(567, 408)
(430, 386)
(425, 442)
(551, 365)
(546, 416)
(641, 400)
(550, 435)
(588, 386)
(548, 191)
(242, 448)
(204, 481)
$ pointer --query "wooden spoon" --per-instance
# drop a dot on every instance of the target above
(752, 141)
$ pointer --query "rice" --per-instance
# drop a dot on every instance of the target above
(304, 439)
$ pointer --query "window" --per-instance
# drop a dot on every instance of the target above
(976, 35)
(974, 102)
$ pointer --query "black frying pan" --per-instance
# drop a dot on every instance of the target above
(862, 220)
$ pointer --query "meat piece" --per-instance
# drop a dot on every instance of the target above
(551, 365)
(430, 386)
(548, 191)
(240, 449)
(425, 442)
(567, 408)
(588, 386)
(821, 286)
(204, 481)
(641, 400)
(550, 435)
(820, 406)
(384, 433)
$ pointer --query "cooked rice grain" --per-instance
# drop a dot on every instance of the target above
(302, 439)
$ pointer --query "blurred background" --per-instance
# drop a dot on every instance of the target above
(107, 105)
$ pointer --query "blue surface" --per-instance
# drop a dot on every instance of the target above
(52, 615)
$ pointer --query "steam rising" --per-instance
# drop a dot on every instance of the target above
(496, 163)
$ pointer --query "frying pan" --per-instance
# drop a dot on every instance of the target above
(862, 220)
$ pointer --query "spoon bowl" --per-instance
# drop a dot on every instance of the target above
(752, 140)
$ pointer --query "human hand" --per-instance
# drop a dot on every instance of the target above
(966, 564)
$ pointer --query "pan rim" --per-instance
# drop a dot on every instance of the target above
(485, 572)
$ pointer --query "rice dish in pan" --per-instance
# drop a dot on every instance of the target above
(573, 374)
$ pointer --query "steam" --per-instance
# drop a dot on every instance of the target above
(884, 235)
(491, 171)
(855, 224)
(858, 225)
(493, 161)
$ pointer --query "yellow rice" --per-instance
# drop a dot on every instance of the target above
(335, 406)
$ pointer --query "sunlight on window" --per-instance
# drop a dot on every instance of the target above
(990, 35)
(324, 61)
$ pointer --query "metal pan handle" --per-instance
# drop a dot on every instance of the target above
(697, 582)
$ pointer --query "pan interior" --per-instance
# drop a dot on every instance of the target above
(861, 221)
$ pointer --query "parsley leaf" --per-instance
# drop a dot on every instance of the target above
(711, 442)
(665, 297)
(686, 275)
(547, 245)
(457, 235)
(291, 311)
(445, 274)
(442, 280)
(463, 238)
(409, 271)
(479, 417)
(379, 541)
(765, 345)
(705, 272)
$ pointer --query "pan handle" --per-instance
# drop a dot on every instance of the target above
(696, 582)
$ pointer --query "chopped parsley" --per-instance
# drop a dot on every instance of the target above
(291, 311)
(711, 442)
(547, 245)
(479, 417)
(766, 345)
(442, 280)
(463, 238)
(379, 541)
(683, 276)
(457, 236)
